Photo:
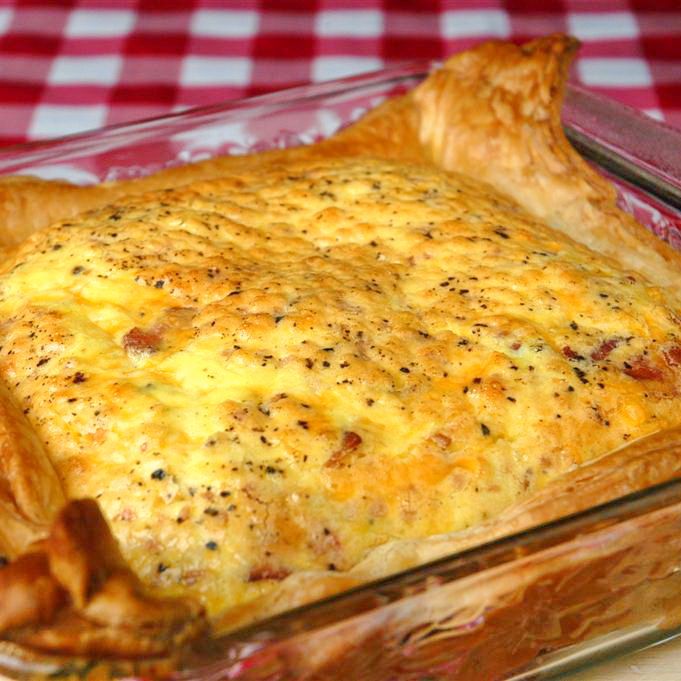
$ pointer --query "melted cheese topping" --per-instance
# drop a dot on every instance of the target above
(278, 372)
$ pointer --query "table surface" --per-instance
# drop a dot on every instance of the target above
(81, 64)
(71, 66)
(661, 663)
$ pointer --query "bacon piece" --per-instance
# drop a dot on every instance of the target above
(569, 352)
(673, 356)
(139, 341)
(350, 442)
(604, 349)
(261, 572)
(642, 370)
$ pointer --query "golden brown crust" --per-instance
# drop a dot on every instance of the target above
(492, 113)
(28, 204)
(649, 461)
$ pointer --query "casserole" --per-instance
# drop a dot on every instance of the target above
(593, 477)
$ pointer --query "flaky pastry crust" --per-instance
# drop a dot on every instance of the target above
(73, 593)
(491, 113)
(30, 492)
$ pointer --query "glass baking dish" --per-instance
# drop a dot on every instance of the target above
(534, 605)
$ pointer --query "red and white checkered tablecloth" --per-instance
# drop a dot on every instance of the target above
(71, 65)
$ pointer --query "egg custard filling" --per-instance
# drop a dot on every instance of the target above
(277, 374)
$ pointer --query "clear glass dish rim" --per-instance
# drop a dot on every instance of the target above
(659, 175)
(628, 158)
(632, 167)
(41, 150)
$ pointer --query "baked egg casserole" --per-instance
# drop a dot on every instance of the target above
(278, 364)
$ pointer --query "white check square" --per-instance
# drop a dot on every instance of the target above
(602, 25)
(85, 70)
(99, 23)
(465, 23)
(5, 19)
(55, 120)
(365, 23)
(614, 72)
(224, 23)
(328, 68)
(215, 71)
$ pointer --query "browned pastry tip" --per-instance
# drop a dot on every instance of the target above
(82, 551)
(29, 594)
(30, 491)
(75, 594)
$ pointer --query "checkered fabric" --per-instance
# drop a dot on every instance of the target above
(68, 66)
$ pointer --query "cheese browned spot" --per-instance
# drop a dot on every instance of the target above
(341, 353)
